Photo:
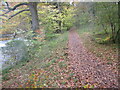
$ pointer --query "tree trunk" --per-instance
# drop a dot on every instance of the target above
(34, 15)
(117, 36)
(105, 29)
(59, 21)
(113, 32)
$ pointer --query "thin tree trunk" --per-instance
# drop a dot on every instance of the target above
(34, 15)
(113, 34)
(59, 22)
(105, 29)
(117, 36)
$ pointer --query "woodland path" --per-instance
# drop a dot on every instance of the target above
(89, 68)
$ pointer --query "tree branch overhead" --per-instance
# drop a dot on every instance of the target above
(18, 13)
(14, 8)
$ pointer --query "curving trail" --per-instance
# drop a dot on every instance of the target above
(90, 69)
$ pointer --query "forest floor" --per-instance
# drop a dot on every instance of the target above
(65, 65)
(91, 70)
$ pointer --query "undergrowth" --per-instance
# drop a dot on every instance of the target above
(48, 68)
(98, 43)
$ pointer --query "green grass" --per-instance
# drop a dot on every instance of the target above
(97, 42)
(85, 28)
(43, 56)
(49, 46)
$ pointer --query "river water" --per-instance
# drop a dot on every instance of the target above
(2, 44)
(9, 55)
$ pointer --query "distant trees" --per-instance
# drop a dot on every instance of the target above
(107, 16)
(58, 16)
(104, 14)
(55, 17)
(84, 13)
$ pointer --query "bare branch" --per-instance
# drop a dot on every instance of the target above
(7, 12)
(16, 6)
(12, 9)
(8, 6)
(4, 15)
(18, 13)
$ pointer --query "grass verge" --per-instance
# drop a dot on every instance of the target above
(49, 67)
(106, 51)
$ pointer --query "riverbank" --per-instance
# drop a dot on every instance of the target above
(12, 51)
(45, 55)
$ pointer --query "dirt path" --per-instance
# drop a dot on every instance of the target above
(90, 69)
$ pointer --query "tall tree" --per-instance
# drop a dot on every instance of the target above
(32, 7)
(33, 10)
